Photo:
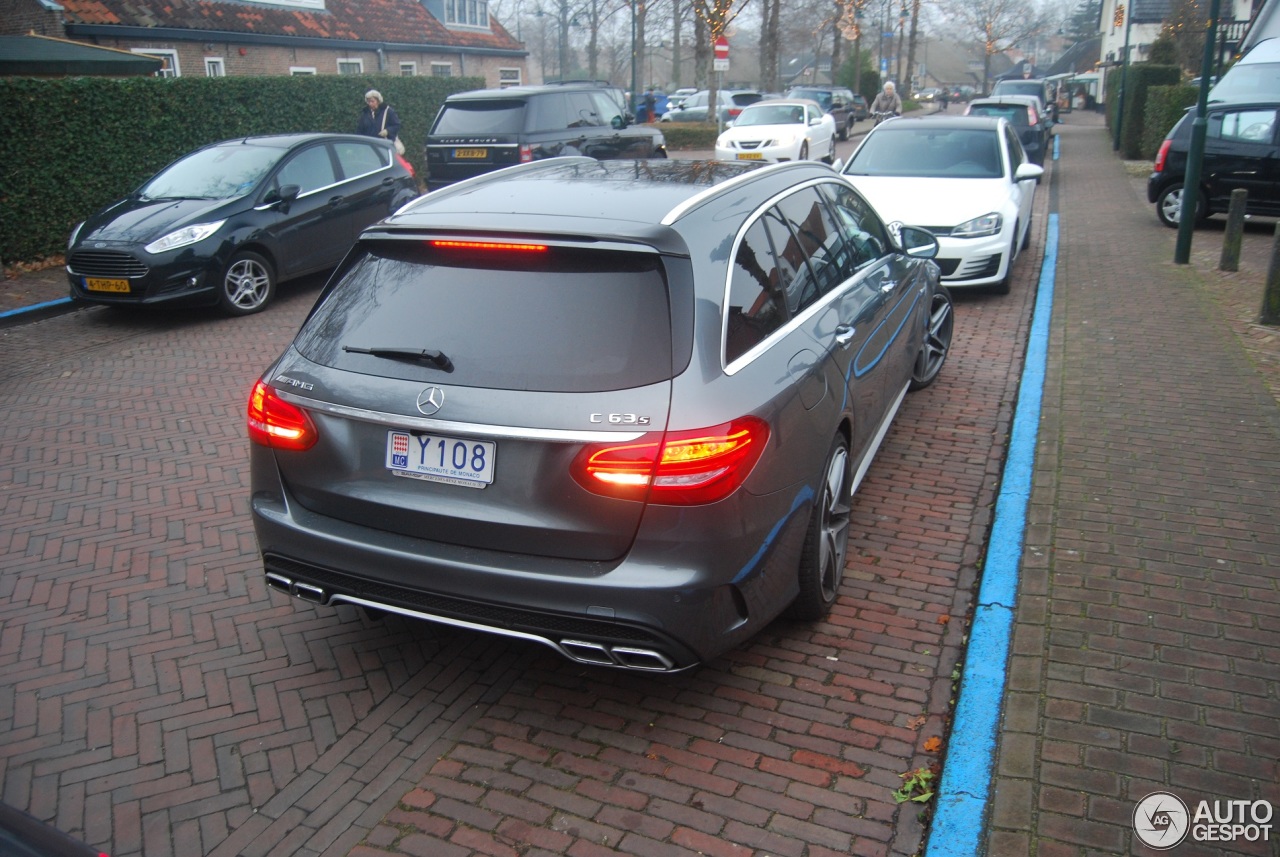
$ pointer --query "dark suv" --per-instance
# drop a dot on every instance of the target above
(484, 130)
(845, 107)
(618, 408)
(1240, 151)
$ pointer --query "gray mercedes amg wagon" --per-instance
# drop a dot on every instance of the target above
(617, 408)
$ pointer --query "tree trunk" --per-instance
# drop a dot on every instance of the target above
(911, 49)
(677, 20)
(701, 54)
(769, 50)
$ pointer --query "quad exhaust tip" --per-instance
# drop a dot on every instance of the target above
(582, 651)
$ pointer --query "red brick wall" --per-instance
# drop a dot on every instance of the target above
(19, 17)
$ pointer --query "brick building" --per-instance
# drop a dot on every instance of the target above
(267, 37)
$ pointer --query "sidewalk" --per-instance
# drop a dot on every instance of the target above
(1144, 654)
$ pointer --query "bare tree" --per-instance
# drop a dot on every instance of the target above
(996, 25)
(1187, 25)
(770, 47)
(717, 15)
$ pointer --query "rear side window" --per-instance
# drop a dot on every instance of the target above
(480, 117)
(310, 170)
(358, 159)
(757, 304)
(554, 320)
(1243, 126)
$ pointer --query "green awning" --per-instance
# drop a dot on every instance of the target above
(40, 56)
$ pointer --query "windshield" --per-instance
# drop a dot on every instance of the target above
(219, 172)
(771, 114)
(929, 153)
(1248, 82)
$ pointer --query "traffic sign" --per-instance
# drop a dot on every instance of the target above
(722, 48)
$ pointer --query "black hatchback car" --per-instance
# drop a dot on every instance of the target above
(487, 129)
(618, 408)
(1022, 112)
(843, 105)
(222, 225)
(1241, 151)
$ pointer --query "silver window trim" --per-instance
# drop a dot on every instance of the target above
(268, 205)
(404, 421)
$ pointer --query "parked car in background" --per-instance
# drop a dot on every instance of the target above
(928, 95)
(617, 408)
(1023, 113)
(844, 107)
(487, 129)
(791, 129)
(1240, 152)
(678, 98)
(1045, 91)
(961, 93)
(966, 179)
(694, 108)
(1254, 77)
(224, 224)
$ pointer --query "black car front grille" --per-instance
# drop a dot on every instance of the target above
(106, 263)
(527, 621)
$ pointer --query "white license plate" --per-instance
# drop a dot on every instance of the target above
(438, 458)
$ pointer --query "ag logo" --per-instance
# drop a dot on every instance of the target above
(1161, 820)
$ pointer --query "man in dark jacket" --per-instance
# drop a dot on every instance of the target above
(378, 119)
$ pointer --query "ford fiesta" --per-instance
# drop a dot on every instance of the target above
(618, 408)
(223, 224)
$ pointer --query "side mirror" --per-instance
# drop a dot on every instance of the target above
(837, 104)
(1028, 171)
(815, 121)
(838, 165)
(282, 197)
(617, 123)
(918, 243)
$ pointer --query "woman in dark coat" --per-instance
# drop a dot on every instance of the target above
(379, 119)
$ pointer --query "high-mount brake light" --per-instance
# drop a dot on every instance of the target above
(279, 424)
(676, 468)
(489, 245)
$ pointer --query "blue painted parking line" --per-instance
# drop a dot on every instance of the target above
(1056, 141)
(14, 313)
(959, 824)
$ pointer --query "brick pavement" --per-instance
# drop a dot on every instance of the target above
(155, 698)
(1148, 625)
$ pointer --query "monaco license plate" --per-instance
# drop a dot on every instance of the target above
(471, 153)
(96, 284)
(437, 458)
(750, 156)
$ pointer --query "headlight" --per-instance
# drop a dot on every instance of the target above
(75, 233)
(184, 236)
(979, 227)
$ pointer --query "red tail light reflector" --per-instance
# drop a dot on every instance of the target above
(441, 244)
(678, 468)
(278, 424)
(404, 162)
(1161, 155)
(526, 154)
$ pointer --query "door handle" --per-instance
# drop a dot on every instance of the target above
(334, 200)
(844, 335)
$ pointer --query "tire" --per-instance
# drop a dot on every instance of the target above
(831, 153)
(1169, 206)
(248, 284)
(827, 541)
(845, 129)
(1002, 287)
(1026, 236)
(804, 151)
(937, 341)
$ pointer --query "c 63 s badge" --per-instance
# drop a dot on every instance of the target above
(620, 419)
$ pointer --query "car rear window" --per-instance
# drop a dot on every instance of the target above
(742, 99)
(1015, 113)
(480, 117)
(553, 320)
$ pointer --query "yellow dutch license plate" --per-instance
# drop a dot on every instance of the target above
(750, 156)
(471, 153)
(95, 284)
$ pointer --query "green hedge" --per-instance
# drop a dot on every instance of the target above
(1165, 106)
(73, 145)
(1140, 78)
(688, 135)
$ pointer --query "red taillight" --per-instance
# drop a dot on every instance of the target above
(1161, 155)
(275, 423)
(677, 468)
(441, 244)
(734, 111)
(526, 154)
(1033, 118)
(404, 162)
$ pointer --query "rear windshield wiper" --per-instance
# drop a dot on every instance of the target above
(420, 355)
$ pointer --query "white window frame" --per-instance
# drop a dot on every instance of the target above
(442, 69)
(174, 70)
(215, 67)
(302, 70)
(459, 13)
(356, 61)
(504, 80)
(408, 69)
